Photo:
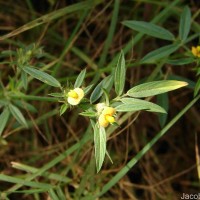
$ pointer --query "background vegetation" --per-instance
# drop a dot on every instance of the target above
(54, 157)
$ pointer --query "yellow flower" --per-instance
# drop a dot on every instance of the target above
(196, 51)
(75, 96)
(106, 117)
(108, 111)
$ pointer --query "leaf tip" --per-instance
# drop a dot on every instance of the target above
(183, 84)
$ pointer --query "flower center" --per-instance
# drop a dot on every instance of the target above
(72, 94)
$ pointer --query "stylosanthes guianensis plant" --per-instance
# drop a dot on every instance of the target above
(101, 107)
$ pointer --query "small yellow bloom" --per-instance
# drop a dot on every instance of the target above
(196, 51)
(106, 116)
(103, 121)
(108, 111)
(110, 118)
(75, 96)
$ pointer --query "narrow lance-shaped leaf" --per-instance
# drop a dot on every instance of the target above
(129, 107)
(181, 61)
(88, 88)
(97, 92)
(148, 106)
(24, 80)
(4, 119)
(197, 87)
(42, 76)
(154, 88)
(100, 145)
(106, 95)
(185, 23)
(58, 95)
(80, 79)
(157, 54)
(25, 105)
(63, 108)
(120, 73)
(88, 114)
(149, 29)
(16, 113)
(163, 101)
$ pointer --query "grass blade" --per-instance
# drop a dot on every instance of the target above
(30, 169)
(110, 32)
(185, 23)
(53, 195)
(49, 17)
(24, 182)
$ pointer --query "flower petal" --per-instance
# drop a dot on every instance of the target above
(102, 121)
(109, 111)
(73, 101)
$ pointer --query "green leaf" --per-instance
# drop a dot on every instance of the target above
(3, 102)
(97, 92)
(63, 109)
(79, 79)
(58, 95)
(129, 107)
(149, 29)
(185, 23)
(17, 115)
(42, 76)
(162, 52)
(191, 84)
(25, 105)
(4, 119)
(99, 145)
(149, 106)
(88, 114)
(181, 61)
(154, 88)
(24, 80)
(120, 73)
(106, 95)
(197, 87)
(88, 88)
(163, 100)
